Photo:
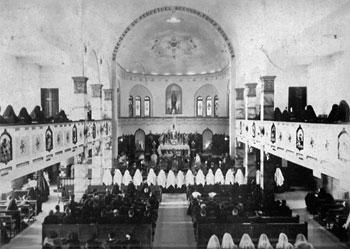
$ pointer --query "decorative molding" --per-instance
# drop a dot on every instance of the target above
(96, 90)
(269, 82)
(251, 89)
(108, 94)
(174, 8)
(219, 75)
(80, 84)
(239, 93)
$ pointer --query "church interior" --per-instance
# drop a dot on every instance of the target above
(175, 124)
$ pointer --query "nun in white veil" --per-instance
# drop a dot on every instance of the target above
(127, 178)
(189, 179)
(279, 179)
(200, 178)
(257, 177)
(209, 179)
(230, 177)
(219, 177)
(239, 177)
(137, 178)
(246, 242)
(107, 177)
(171, 179)
(214, 242)
(264, 242)
(180, 179)
(161, 178)
(227, 242)
(151, 177)
(118, 177)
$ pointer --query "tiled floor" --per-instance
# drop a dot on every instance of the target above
(174, 228)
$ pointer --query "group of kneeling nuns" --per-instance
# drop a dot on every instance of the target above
(176, 180)
(264, 243)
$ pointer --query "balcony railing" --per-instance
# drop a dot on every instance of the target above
(26, 148)
(324, 148)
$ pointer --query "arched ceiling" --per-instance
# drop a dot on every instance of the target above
(173, 43)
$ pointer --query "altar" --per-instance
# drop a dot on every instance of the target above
(173, 143)
(168, 150)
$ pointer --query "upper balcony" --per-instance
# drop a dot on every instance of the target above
(28, 148)
(324, 148)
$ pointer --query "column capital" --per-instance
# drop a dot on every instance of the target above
(80, 84)
(251, 89)
(268, 83)
(108, 94)
(96, 90)
(239, 93)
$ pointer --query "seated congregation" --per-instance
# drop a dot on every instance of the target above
(18, 208)
(329, 212)
(239, 209)
(115, 217)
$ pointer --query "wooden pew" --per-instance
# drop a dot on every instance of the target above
(205, 230)
(7, 223)
(31, 206)
(141, 232)
(16, 217)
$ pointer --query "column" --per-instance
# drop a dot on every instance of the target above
(268, 96)
(262, 159)
(251, 99)
(81, 180)
(96, 101)
(107, 110)
(240, 112)
(96, 165)
(80, 109)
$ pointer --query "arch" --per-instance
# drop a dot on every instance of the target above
(174, 8)
(173, 97)
(141, 91)
(207, 137)
(140, 139)
(209, 91)
(93, 59)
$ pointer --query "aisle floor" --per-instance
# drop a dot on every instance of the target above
(174, 227)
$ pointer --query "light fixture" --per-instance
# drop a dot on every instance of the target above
(173, 19)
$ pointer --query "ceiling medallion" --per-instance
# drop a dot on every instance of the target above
(174, 45)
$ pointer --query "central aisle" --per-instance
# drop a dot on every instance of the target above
(174, 227)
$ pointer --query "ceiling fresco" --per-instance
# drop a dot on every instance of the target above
(173, 43)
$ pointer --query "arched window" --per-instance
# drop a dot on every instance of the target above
(147, 106)
(209, 106)
(216, 106)
(207, 140)
(131, 106)
(199, 106)
(138, 106)
(140, 140)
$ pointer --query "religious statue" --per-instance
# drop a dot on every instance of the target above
(173, 102)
